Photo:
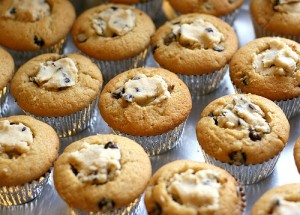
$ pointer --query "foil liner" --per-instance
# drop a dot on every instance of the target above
(110, 69)
(245, 174)
(151, 7)
(154, 145)
(16, 195)
(290, 107)
(135, 207)
(262, 32)
(69, 125)
(229, 18)
(21, 57)
(203, 84)
(4, 100)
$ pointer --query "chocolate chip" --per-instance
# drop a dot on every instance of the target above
(114, 8)
(38, 41)
(245, 81)
(128, 97)
(230, 1)
(74, 170)
(209, 29)
(135, 78)
(254, 136)
(210, 114)
(12, 123)
(157, 210)
(169, 39)
(111, 145)
(13, 11)
(154, 48)
(176, 22)
(252, 106)
(216, 121)
(238, 157)
(116, 95)
(81, 38)
(106, 205)
(59, 68)
(24, 129)
(137, 89)
(219, 48)
(114, 35)
(171, 87)
(67, 80)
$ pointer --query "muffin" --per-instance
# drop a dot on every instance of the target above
(61, 90)
(224, 9)
(297, 154)
(28, 149)
(284, 199)
(244, 134)
(189, 46)
(30, 28)
(96, 174)
(190, 187)
(149, 105)
(117, 37)
(276, 18)
(269, 67)
(151, 7)
(7, 67)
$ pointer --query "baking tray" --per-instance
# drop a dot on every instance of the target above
(49, 203)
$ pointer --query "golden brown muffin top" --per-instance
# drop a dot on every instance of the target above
(7, 67)
(28, 148)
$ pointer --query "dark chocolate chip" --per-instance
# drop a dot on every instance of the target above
(12, 123)
(116, 95)
(210, 114)
(74, 170)
(171, 87)
(137, 89)
(135, 78)
(176, 22)
(38, 41)
(209, 29)
(169, 39)
(114, 35)
(128, 97)
(216, 121)
(111, 145)
(218, 48)
(157, 210)
(106, 205)
(154, 48)
(24, 129)
(114, 8)
(252, 106)
(13, 11)
(245, 81)
(254, 136)
(238, 157)
(123, 90)
(59, 68)
(67, 80)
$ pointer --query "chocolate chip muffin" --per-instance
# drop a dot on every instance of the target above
(269, 67)
(7, 67)
(33, 27)
(117, 37)
(227, 10)
(284, 199)
(60, 90)
(149, 105)
(190, 187)
(103, 173)
(188, 46)
(244, 134)
(25, 144)
(276, 18)
(297, 154)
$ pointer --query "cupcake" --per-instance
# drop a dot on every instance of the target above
(102, 173)
(6, 71)
(117, 37)
(190, 187)
(151, 7)
(269, 67)
(198, 48)
(284, 199)
(28, 149)
(224, 9)
(244, 134)
(149, 105)
(61, 90)
(297, 154)
(276, 18)
(30, 28)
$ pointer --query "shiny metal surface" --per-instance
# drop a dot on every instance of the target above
(285, 171)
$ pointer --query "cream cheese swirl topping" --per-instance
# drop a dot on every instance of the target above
(284, 207)
(287, 6)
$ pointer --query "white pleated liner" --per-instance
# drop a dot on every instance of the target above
(70, 125)
(151, 7)
(262, 32)
(17, 195)
(134, 208)
(230, 17)
(154, 145)
(110, 69)
(290, 107)
(3, 100)
(21, 57)
(203, 84)
(245, 174)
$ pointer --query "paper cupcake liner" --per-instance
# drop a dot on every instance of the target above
(135, 207)
(262, 32)
(16, 195)
(154, 145)
(110, 69)
(21, 57)
(203, 84)
(290, 107)
(151, 7)
(229, 18)
(245, 174)
(3, 100)
(69, 125)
